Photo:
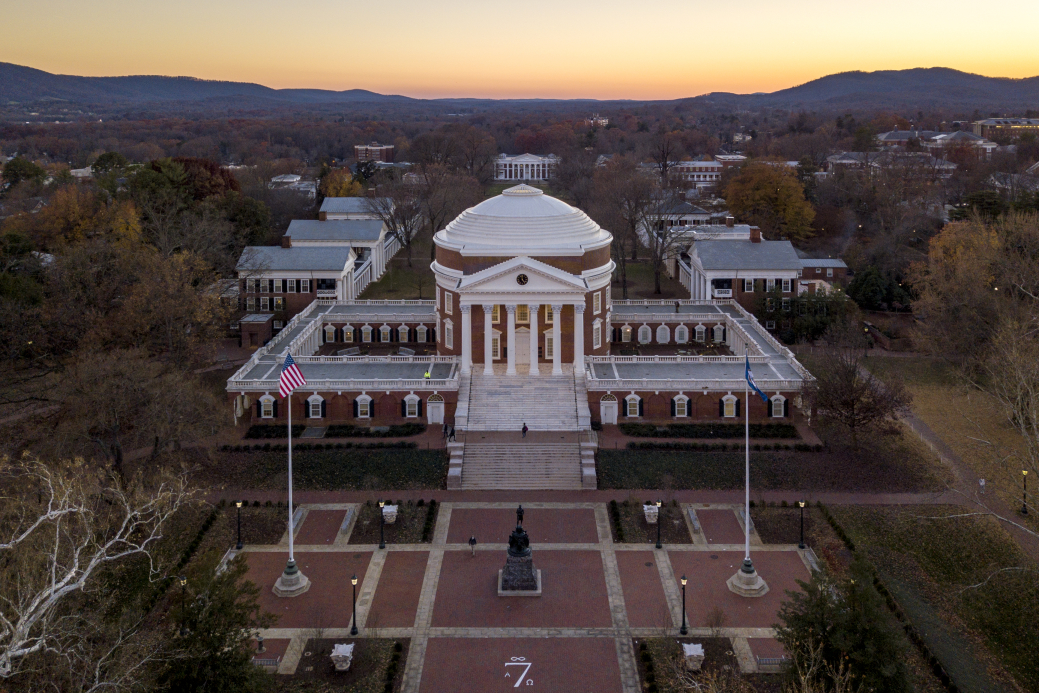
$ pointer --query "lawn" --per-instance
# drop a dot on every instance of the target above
(640, 283)
(353, 469)
(885, 463)
(944, 573)
(966, 419)
(628, 523)
(414, 523)
(403, 282)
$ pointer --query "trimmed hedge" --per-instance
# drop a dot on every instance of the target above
(720, 447)
(388, 468)
(707, 430)
(260, 431)
(395, 431)
(278, 447)
(431, 516)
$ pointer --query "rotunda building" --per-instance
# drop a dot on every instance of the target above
(523, 282)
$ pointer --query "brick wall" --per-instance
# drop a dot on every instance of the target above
(340, 408)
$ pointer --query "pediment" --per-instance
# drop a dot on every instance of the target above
(506, 278)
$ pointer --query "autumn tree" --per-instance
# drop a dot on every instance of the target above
(340, 182)
(770, 196)
(399, 207)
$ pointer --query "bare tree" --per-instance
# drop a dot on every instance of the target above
(443, 196)
(846, 393)
(477, 152)
(622, 202)
(399, 207)
(63, 526)
(663, 236)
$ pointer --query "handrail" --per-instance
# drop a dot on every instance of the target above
(672, 302)
(670, 384)
(674, 359)
(377, 359)
(340, 384)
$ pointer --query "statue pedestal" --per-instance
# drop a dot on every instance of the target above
(519, 578)
(747, 583)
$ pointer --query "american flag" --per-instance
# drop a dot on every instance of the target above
(290, 378)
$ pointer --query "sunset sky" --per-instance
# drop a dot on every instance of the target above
(533, 48)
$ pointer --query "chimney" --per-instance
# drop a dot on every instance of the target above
(286, 241)
(755, 234)
(730, 221)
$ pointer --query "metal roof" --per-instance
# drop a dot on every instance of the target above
(266, 258)
(745, 255)
(823, 262)
(346, 205)
(340, 230)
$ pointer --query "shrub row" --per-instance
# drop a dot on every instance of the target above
(256, 504)
(707, 430)
(164, 585)
(720, 447)
(427, 528)
(615, 517)
(272, 431)
(650, 678)
(911, 632)
(391, 669)
(268, 447)
(394, 431)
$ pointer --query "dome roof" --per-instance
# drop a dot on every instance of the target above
(522, 221)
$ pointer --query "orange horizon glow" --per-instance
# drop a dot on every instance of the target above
(660, 49)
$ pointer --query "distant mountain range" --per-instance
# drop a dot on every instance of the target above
(916, 88)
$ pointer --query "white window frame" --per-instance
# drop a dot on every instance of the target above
(829, 271)
(549, 344)
(385, 332)
(265, 286)
(495, 345)
(729, 406)
(718, 334)
(364, 407)
(278, 302)
(267, 407)
(304, 286)
(411, 407)
(626, 333)
(278, 287)
(448, 303)
(780, 401)
(665, 331)
(681, 406)
(402, 333)
(312, 401)
(596, 302)
(681, 334)
(700, 334)
(770, 284)
(348, 333)
(786, 286)
(597, 334)
(523, 314)
(631, 403)
(421, 332)
(818, 270)
(438, 296)
(549, 317)
(770, 324)
(330, 334)
(279, 324)
(495, 314)
(265, 304)
(645, 334)
(748, 283)
(250, 303)
(366, 334)
(290, 286)
(449, 334)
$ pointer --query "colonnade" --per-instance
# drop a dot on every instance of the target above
(533, 310)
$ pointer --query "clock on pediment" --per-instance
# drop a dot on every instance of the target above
(522, 279)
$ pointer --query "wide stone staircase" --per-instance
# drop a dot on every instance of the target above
(529, 463)
(502, 402)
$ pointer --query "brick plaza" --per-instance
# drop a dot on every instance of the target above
(598, 595)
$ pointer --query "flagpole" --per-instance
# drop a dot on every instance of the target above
(292, 582)
(292, 528)
(746, 582)
(746, 447)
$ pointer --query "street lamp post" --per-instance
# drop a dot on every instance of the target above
(382, 526)
(183, 605)
(353, 627)
(865, 341)
(683, 630)
(801, 504)
(1024, 496)
(238, 546)
(659, 504)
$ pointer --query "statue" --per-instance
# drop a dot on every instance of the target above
(519, 578)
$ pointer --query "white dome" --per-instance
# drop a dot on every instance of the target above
(522, 221)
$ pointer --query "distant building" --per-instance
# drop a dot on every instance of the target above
(703, 173)
(1014, 127)
(874, 161)
(933, 141)
(333, 208)
(374, 152)
(525, 167)
(728, 160)
(286, 179)
(598, 121)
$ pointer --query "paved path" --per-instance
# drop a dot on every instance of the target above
(459, 620)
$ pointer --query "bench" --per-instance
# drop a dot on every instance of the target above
(352, 351)
(404, 351)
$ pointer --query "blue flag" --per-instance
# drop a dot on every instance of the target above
(750, 381)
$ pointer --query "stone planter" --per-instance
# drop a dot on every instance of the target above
(343, 656)
(652, 513)
(389, 514)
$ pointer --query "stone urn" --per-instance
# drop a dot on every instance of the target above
(693, 655)
(652, 512)
(389, 514)
(342, 656)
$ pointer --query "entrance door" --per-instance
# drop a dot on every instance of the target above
(522, 346)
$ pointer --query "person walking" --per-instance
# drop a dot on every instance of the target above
(451, 435)
(525, 429)
(445, 431)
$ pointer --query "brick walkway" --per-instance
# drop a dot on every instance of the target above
(597, 595)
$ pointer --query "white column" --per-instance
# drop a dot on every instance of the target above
(488, 367)
(511, 356)
(467, 338)
(579, 337)
(557, 339)
(533, 310)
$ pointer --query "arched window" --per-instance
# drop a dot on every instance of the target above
(348, 334)
(730, 407)
(435, 398)
(626, 333)
(363, 407)
(411, 407)
(267, 407)
(420, 333)
(384, 333)
(682, 334)
(633, 405)
(701, 334)
(315, 407)
(719, 333)
(778, 406)
(645, 335)
(608, 398)
(680, 406)
(366, 334)
(402, 333)
(330, 333)
(663, 334)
